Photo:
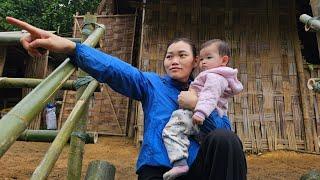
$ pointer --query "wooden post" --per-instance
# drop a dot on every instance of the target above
(315, 6)
(302, 82)
(3, 52)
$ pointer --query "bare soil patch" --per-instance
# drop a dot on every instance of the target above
(23, 157)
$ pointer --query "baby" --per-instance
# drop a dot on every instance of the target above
(214, 85)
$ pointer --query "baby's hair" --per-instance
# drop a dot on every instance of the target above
(223, 47)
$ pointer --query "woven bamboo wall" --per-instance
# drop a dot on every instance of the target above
(108, 110)
(263, 37)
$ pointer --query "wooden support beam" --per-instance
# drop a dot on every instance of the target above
(3, 52)
(302, 84)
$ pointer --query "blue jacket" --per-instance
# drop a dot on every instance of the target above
(158, 96)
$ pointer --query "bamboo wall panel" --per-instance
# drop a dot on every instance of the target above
(108, 111)
(268, 114)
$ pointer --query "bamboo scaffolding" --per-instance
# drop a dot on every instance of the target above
(50, 135)
(76, 143)
(18, 119)
(52, 155)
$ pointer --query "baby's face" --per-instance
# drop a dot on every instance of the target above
(210, 58)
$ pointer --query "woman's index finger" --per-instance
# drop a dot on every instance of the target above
(23, 25)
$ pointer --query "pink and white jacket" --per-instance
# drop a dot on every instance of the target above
(214, 87)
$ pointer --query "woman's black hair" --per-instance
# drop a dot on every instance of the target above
(186, 40)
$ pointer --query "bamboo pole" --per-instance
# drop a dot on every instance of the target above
(3, 52)
(13, 38)
(52, 155)
(6, 82)
(50, 135)
(76, 143)
(18, 119)
(315, 6)
(313, 24)
(30, 83)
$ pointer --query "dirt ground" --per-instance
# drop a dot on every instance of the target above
(23, 157)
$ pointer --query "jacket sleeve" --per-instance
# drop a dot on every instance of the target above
(210, 94)
(119, 75)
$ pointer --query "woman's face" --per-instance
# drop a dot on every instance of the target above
(179, 61)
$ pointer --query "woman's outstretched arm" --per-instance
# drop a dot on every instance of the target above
(120, 76)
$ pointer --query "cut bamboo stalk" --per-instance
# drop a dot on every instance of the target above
(50, 135)
(52, 155)
(100, 170)
(311, 83)
(313, 24)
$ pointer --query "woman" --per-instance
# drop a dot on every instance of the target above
(220, 155)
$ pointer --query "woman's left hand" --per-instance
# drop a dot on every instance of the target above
(188, 100)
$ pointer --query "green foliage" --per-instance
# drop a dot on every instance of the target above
(47, 14)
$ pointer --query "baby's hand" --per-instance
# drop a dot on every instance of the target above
(197, 120)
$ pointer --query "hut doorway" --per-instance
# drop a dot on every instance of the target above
(14, 67)
(308, 39)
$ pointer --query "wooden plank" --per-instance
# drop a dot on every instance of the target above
(3, 53)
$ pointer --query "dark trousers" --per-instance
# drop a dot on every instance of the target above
(220, 157)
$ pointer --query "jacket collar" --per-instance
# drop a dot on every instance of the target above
(181, 86)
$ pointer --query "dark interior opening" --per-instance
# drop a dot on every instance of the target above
(308, 39)
(14, 68)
